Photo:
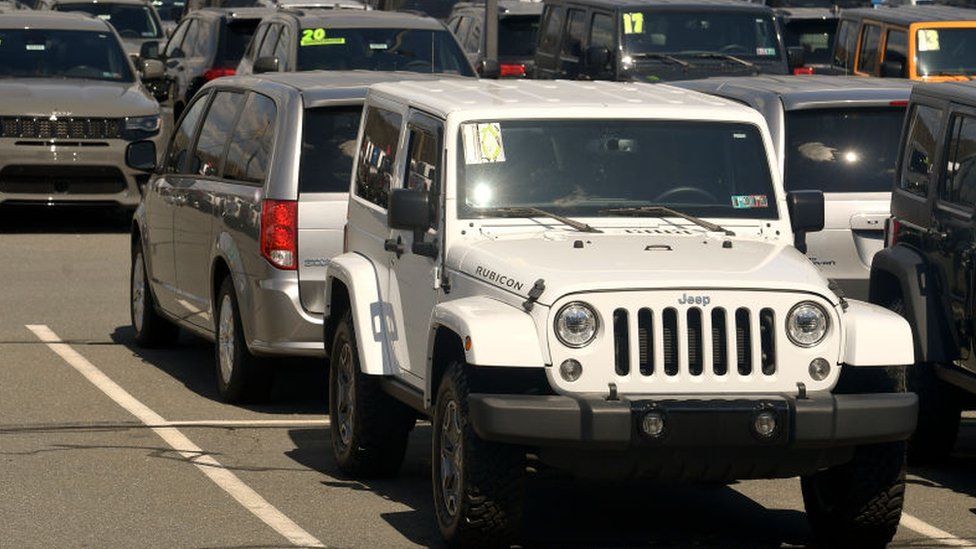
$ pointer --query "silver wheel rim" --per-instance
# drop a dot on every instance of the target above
(138, 292)
(225, 339)
(450, 442)
(345, 397)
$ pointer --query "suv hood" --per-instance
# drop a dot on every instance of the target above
(578, 262)
(74, 97)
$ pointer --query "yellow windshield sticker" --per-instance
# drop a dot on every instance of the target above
(634, 23)
(316, 37)
(483, 143)
(928, 40)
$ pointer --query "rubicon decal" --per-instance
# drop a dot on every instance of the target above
(499, 279)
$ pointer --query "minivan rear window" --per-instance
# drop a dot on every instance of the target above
(328, 147)
(237, 35)
(842, 150)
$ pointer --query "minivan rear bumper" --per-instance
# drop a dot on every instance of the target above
(279, 325)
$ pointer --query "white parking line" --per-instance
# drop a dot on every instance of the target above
(228, 481)
(929, 531)
(246, 423)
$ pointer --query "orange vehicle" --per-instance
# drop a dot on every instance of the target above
(929, 43)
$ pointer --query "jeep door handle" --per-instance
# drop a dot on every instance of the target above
(395, 246)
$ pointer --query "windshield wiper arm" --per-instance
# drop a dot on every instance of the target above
(662, 57)
(725, 56)
(525, 211)
(662, 211)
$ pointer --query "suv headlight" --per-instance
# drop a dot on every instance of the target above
(576, 324)
(147, 124)
(807, 324)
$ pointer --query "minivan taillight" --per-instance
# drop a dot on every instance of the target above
(279, 233)
(211, 74)
(511, 70)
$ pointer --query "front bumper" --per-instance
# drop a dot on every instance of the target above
(821, 420)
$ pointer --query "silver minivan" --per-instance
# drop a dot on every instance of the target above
(839, 135)
(246, 205)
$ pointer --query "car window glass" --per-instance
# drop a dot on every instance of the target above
(183, 136)
(129, 20)
(946, 51)
(842, 150)
(463, 24)
(328, 149)
(601, 32)
(517, 35)
(867, 57)
(374, 174)
(423, 166)
(553, 26)
(197, 42)
(270, 41)
(55, 53)
(815, 37)
(959, 185)
(209, 152)
(739, 33)
(252, 142)
(236, 35)
(472, 42)
(283, 47)
(173, 47)
(381, 49)
(572, 44)
(896, 49)
(919, 155)
(252, 48)
(844, 50)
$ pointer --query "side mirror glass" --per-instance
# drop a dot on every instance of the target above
(149, 50)
(893, 68)
(141, 155)
(489, 68)
(152, 69)
(596, 59)
(806, 209)
(409, 209)
(795, 57)
(265, 64)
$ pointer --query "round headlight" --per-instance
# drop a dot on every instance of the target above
(576, 324)
(807, 324)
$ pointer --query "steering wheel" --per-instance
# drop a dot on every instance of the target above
(128, 33)
(734, 48)
(701, 194)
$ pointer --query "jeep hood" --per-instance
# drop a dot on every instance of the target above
(581, 262)
(79, 97)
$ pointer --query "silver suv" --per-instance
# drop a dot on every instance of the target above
(71, 105)
(838, 135)
(248, 204)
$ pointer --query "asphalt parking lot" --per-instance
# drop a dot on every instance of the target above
(103, 444)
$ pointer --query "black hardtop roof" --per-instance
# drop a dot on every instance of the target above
(960, 92)
(906, 15)
(735, 5)
(349, 18)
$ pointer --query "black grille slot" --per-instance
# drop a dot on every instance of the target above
(767, 340)
(645, 341)
(720, 347)
(743, 341)
(621, 342)
(670, 325)
(61, 128)
(695, 343)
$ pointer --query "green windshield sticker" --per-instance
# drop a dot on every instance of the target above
(765, 51)
(928, 40)
(634, 23)
(482, 143)
(316, 37)
(748, 201)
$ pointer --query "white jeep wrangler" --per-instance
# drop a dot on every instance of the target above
(603, 278)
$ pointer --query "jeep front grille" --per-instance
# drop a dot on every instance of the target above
(715, 340)
(62, 128)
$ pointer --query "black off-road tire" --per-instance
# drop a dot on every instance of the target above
(486, 506)
(858, 505)
(151, 329)
(241, 376)
(369, 428)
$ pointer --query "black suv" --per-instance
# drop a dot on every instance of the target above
(928, 269)
(654, 40)
(518, 26)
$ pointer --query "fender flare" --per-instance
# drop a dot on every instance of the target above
(370, 315)
(918, 281)
(875, 336)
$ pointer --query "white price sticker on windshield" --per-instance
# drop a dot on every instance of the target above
(483, 143)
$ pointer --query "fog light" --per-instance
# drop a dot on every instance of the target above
(570, 369)
(652, 424)
(819, 369)
(764, 424)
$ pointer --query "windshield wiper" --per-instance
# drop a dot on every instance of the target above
(726, 57)
(661, 56)
(526, 211)
(663, 211)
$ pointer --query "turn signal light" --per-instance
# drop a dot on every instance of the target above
(802, 71)
(506, 70)
(210, 74)
(279, 233)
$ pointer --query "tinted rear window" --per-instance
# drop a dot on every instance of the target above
(130, 21)
(517, 35)
(816, 37)
(328, 147)
(842, 150)
(237, 35)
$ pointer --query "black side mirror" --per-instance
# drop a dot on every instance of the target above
(893, 68)
(489, 68)
(596, 59)
(149, 50)
(795, 57)
(265, 64)
(141, 155)
(806, 209)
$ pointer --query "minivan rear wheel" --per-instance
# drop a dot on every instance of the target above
(241, 376)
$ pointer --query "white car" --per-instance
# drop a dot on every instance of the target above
(602, 276)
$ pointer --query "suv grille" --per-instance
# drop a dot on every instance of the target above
(715, 340)
(61, 128)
